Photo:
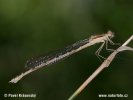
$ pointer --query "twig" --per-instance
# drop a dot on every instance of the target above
(105, 64)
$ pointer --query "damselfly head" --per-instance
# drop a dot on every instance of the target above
(110, 34)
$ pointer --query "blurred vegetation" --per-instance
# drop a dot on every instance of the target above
(32, 27)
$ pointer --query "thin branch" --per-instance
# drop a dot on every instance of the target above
(105, 64)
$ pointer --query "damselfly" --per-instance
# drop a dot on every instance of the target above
(71, 49)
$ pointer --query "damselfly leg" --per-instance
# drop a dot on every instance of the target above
(111, 42)
(107, 46)
(97, 53)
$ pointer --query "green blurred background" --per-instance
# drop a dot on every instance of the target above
(29, 28)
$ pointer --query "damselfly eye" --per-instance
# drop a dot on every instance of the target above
(110, 34)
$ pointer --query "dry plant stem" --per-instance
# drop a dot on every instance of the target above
(105, 64)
